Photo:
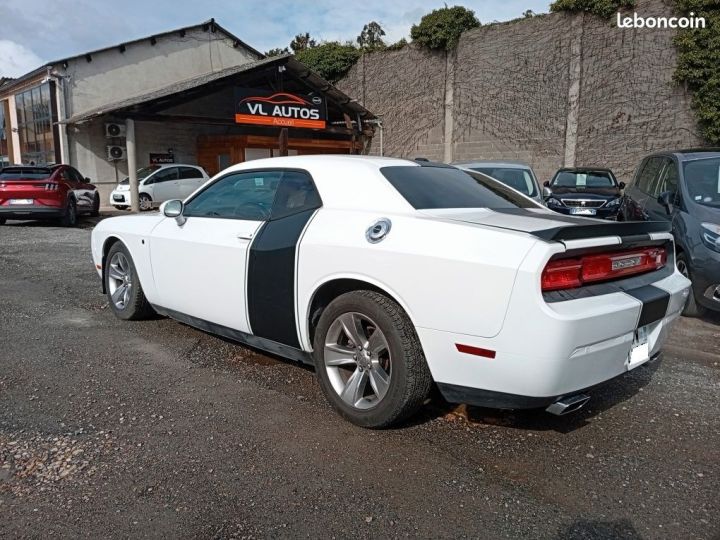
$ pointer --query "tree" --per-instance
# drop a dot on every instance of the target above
(529, 13)
(302, 42)
(370, 39)
(330, 59)
(277, 52)
(441, 28)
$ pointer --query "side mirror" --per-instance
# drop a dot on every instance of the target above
(546, 183)
(87, 179)
(666, 199)
(546, 191)
(621, 185)
(174, 209)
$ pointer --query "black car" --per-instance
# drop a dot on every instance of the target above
(683, 187)
(585, 191)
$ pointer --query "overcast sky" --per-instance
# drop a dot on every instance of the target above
(36, 31)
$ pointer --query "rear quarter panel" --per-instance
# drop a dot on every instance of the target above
(447, 276)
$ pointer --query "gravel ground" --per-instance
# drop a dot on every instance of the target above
(120, 429)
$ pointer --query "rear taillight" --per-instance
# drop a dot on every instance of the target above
(52, 186)
(575, 272)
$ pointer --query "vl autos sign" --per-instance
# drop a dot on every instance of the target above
(280, 109)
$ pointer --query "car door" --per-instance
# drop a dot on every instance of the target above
(667, 180)
(165, 184)
(199, 267)
(639, 192)
(190, 179)
(66, 176)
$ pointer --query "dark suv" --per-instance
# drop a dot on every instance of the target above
(684, 188)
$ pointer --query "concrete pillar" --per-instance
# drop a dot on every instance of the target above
(62, 128)
(14, 135)
(575, 80)
(132, 164)
(448, 149)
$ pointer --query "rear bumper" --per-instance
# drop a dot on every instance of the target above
(119, 198)
(550, 350)
(31, 212)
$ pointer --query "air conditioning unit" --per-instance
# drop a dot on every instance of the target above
(114, 130)
(116, 153)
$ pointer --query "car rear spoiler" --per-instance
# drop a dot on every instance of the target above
(623, 229)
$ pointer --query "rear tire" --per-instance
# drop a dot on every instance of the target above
(3, 221)
(385, 378)
(125, 295)
(70, 217)
(692, 308)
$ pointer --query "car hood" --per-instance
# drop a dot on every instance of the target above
(706, 214)
(546, 224)
(604, 194)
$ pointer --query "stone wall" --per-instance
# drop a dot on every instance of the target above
(552, 90)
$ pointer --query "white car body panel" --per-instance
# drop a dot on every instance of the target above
(162, 191)
(463, 276)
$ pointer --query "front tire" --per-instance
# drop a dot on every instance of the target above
(124, 292)
(369, 361)
(95, 212)
(145, 202)
(692, 308)
(3, 221)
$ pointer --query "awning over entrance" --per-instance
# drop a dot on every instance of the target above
(214, 97)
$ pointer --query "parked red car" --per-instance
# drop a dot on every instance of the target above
(55, 192)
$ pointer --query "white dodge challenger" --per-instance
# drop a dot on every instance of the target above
(392, 275)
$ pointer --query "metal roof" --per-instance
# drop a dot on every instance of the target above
(210, 24)
(297, 68)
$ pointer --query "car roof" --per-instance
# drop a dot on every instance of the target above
(510, 164)
(584, 169)
(688, 154)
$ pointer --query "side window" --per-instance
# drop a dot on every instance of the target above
(240, 195)
(296, 194)
(65, 175)
(189, 172)
(77, 176)
(165, 175)
(650, 172)
(669, 179)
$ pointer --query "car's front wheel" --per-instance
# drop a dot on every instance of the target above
(369, 360)
(692, 308)
(125, 294)
(95, 212)
(145, 202)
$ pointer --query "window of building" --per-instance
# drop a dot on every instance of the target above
(4, 133)
(34, 116)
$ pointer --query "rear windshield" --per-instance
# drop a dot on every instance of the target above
(584, 179)
(448, 187)
(702, 178)
(519, 179)
(25, 173)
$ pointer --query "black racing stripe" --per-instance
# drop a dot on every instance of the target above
(271, 279)
(655, 303)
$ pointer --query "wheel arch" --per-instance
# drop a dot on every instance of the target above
(332, 287)
(109, 242)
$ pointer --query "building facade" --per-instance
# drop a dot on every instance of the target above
(178, 90)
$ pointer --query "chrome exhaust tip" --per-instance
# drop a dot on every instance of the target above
(568, 404)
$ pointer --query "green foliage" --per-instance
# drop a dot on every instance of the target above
(601, 8)
(528, 14)
(699, 64)
(302, 42)
(277, 52)
(331, 59)
(441, 28)
(402, 42)
(370, 39)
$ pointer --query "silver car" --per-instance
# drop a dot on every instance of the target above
(515, 174)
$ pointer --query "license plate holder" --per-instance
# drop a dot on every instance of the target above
(640, 350)
(20, 202)
(583, 211)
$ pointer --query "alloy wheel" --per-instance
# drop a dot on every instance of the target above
(358, 360)
(119, 280)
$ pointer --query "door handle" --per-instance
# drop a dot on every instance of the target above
(245, 236)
